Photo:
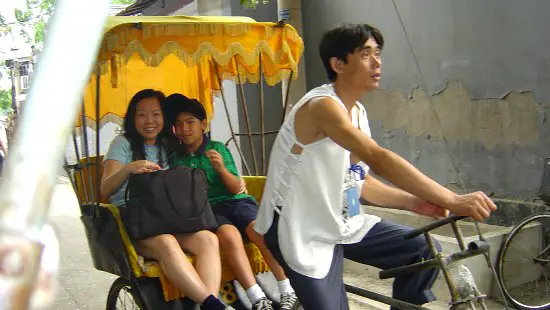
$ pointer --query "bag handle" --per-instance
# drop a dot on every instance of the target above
(127, 191)
(169, 195)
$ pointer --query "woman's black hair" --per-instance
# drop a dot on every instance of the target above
(137, 143)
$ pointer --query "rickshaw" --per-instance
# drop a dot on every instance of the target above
(193, 56)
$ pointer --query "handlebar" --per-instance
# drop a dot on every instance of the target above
(434, 225)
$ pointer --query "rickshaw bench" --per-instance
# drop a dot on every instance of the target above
(150, 268)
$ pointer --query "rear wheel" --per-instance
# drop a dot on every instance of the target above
(124, 296)
(524, 264)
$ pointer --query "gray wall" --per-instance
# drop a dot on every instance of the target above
(480, 83)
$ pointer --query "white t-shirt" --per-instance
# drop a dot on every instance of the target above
(310, 189)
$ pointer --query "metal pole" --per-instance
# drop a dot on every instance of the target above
(30, 176)
(287, 94)
(459, 236)
(290, 12)
(452, 288)
(229, 119)
(245, 110)
(381, 298)
(87, 154)
(13, 90)
(78, 169)
(262, 118)
(97, 125)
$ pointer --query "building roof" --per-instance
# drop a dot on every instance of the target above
(137, 7)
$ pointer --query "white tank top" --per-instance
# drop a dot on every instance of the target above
(309, 189)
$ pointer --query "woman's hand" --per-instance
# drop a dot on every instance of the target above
(142, 166)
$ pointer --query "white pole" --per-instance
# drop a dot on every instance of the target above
(291, 12)
(72, 41)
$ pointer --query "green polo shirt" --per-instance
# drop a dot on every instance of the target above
(217, 192)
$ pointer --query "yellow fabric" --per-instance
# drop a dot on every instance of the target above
(186, 54)
(132, 255)
(255, 186)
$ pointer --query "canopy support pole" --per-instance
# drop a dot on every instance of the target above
(229, 119)
(245, 110)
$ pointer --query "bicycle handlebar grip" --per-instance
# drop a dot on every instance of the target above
(434, 225)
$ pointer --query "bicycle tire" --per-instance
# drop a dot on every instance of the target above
(503, 252)
(122, 284)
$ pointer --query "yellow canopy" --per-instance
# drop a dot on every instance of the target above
(184, 54)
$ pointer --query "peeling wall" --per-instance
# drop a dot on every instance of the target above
(451, 113)
(464, 92)
(494, 145)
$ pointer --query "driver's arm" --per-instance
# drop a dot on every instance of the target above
(380, 194)
(332, 119)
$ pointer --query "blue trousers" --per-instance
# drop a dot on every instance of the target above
(383, 247)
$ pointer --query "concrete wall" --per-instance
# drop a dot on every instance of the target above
(475, 74)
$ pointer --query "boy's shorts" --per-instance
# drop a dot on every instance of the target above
(237, 212)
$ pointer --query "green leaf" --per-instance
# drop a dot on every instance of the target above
(126, 2)
(46, 6)
(5, 100)
(22, 17)
(2, 21)
(40, 31)
(252, 3)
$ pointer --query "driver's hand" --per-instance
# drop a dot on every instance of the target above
(476, 205)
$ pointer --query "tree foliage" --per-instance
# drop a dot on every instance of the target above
(5, 100)
(127, 2)
(252, 3)
(32, 23)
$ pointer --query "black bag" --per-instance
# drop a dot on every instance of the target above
(172, 201)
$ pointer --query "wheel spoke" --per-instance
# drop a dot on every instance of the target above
(523, 264)
(125, 299)
(522, 261)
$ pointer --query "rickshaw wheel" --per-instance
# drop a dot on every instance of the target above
(124, 296)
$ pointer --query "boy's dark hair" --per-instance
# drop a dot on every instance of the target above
(343, 40)
(178, 103)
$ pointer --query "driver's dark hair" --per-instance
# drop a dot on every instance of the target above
(136, 140)
(343, 40)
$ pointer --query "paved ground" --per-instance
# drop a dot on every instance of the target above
(80, 285)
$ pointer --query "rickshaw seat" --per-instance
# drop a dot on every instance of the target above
(151, 268)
